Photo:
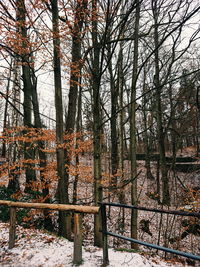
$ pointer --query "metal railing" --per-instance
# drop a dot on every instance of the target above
(107, 233)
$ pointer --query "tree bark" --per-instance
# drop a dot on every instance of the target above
(78, 129)
(121, 194)
(113, 122)
(5, 122)
(151, 185)
(160, 130)
(27, 88)
(62, 182)
(14, 181)
(96, 125)
(42, 155)
(134, 214)
(75, 72)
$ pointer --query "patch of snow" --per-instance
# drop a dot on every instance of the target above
(39, 249)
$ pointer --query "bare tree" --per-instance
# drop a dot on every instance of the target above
(62, 182)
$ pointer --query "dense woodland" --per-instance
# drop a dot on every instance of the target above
(90, 88)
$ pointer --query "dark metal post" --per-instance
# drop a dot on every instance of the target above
(104, 235)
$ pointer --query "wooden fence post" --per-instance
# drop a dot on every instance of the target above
(77, 257)
(104, 235)
(12, 229)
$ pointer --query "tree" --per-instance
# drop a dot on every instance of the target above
(62, 182)
(75, 73)
(133, 127)
(96, 120)
(158, 88)
(25, 52)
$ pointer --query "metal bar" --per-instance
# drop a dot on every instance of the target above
(182, 213)
(104, 235)
(184, 254)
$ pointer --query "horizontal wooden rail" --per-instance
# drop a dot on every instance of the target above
(74, 208)
(77, 257)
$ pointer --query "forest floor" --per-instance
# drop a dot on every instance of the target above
(36, 248)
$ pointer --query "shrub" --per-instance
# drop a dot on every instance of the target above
(23, 217)
(5, 194)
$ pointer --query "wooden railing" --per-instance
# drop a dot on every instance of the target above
(77, 209)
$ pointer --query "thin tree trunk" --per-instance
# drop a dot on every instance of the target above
(113, 122)
(121, 135)
(161, 134)
(42, 155)
(3, 153)
(134, 214)
(151, 183)
(78, 129)
(16, 119)
(14, 181)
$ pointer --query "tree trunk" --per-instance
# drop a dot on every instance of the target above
(16, 119)
(134, 214)
(14, 181)
(42, 155)
(62, 182)
(121, 194)
(113, 122)
(161, 134)
(5, 122)
(151, 184)
(76, 65)
(96, 125)
(78, 129)
(27, 88)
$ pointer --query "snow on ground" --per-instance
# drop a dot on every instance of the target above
(35, 248)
